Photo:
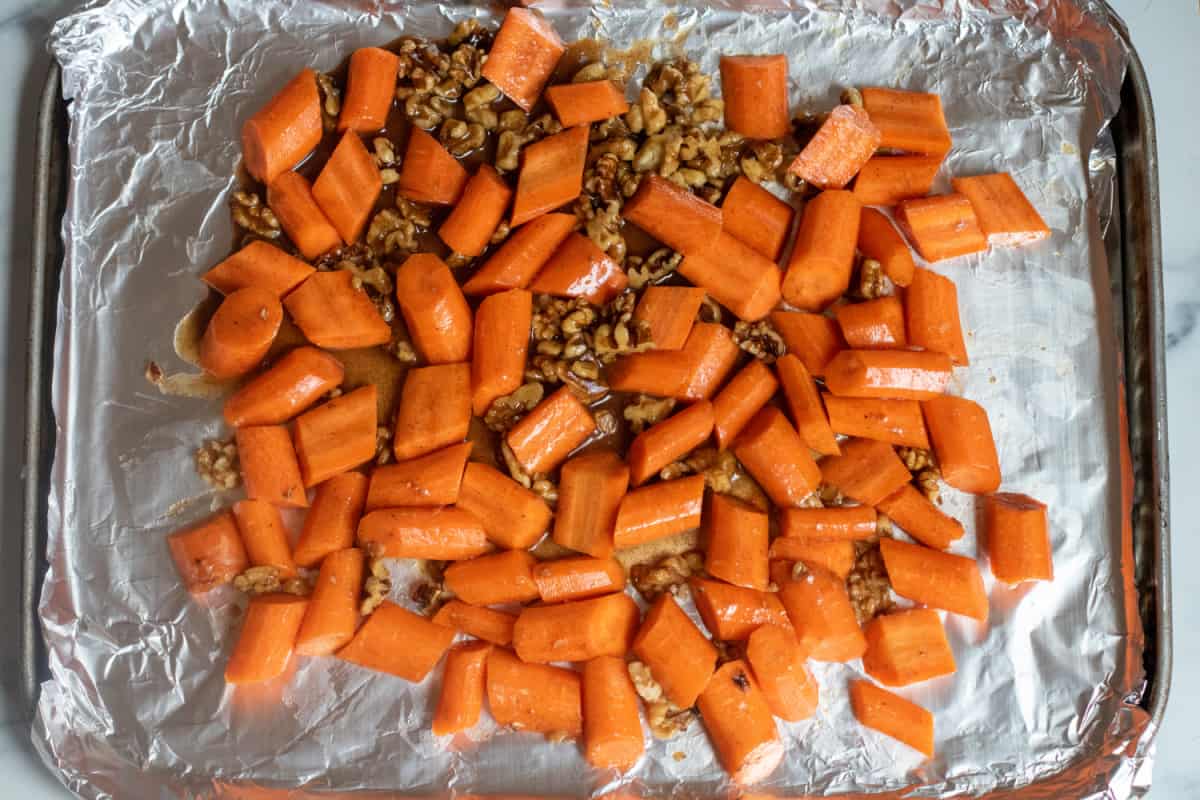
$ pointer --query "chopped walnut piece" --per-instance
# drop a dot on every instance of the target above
(606, 422)
(602, 224)
(852, 97)
(872, 282)
(252, 215)
(545, 489)
(401, 348)
(217, 463)
(722, 474)
(759, 339)
(377, 586)
(515, 470)
(666, 719)
(462, 138)
(653, 268)
(914, 458)
(395, 232)
(645, 410)
(383, 445)
(513, 139)
(430, 594)
(331, 101)
(258, 580)
(929, 481)
(573, 338)
(670, 574)
(868, 584)
(505, 411)
(477, 106)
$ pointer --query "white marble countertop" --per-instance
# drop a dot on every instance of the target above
(1166, 34)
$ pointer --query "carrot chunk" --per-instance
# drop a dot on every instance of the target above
(661, 374)
(435, 410)
(674, 216)
(331, 523)
(737, 542)
(892, 715)
(932, 315)
(551, 174)
(821, 614)
(209, 553)
(270, 470)
(482, 623)
(909, 121)
(434, 309)
(778, 663)
(740, 400)
(873, 325)
(332, 612)
(941, 227)
(442, 534)
(590, 489)
(267, 638)
(545, 436)
(290, 197)
(290, 385)
(577, 578)
(1004, 212)
(337, 436)
(460, 702)
(659, 510)
(579, 268)
(907, 647)
(470, 226)
(898, 422)
(370, 90)
(822, 258)
(534, 697)
(739, 722)
(669, 312)
(710, 354)
(490, 580)
(756, 217)
(584, 103)
(878, 239)
(936, 579)
(260, 265)
(834, 555)
(1018, 541)
(397, 641)
(429, 173)
(669, 440)
(264, 537)
(812, 338)
(513, 517)
(518, 260)
(736, 276)
(888, 373)
(755, 89)
(578, 630)
(921, 519)
(285, 130)
(502, 325)
(963, 442)
(612, 728)
(334, 314)
(886, 180)
(348, 186)
(775, 456)
(429, 480)
(679, 656)
(866, 471)
(847, 523)
(240, 332)
(523, 56)
(845, 142)
(732, 613)
(804, 403)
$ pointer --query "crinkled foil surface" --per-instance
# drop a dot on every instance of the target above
(1045, 693)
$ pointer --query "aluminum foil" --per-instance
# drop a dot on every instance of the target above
(1045, 693)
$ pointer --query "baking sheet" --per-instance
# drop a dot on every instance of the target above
(137, 706)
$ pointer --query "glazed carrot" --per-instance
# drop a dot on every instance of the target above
(240, 332)
(268, 635)
(812, 338)
(470, 226)
(679, 656)
(886, 180)
(505, 577)
(736, 276)
(907, 647)
(822, 258)
(429, 173)
(578, 268)
(335, 314)
(866, 471)
(936, 579)
(821, 614)
(578, 630)
(612, 728)
(209, 553)
(264, 537)
(518, 260)
(429, 480)
(739, 722)
(523, 56)
(845, 142)
(269, 467)
(710, 354)
(577, 578)
(501, 340)
(670, 312)
(460, 702)
(1004, 212)
(921, 519)
(260, 265)
(888, 373)
(896, 422)
(878, 239)
(1017, 538)
(963, 443)
(846, 523)
(834, 555)
(941, 227)
(873, 325)
(804, 403)
(513, 517)
(659, 510)
(732, 613)
(659, 373)
(285, 130)
(931, 306)
(370, 90)
(755, 89)
(533, 697)
(590, 489)
(892, 715)
(756, 217)
(290, 197)
(547, 434)
(668, 441)
(348, 186)
(332, 612)
(482, 623)
(740, 400)
(337, 436)
(584, 103)
(434, 411)
(674, 216)
(434, 309)
(908, 121)
(778, 663)
(775, 456)
(290, 385)
(443, 534)
(331, 523)
(551, 174)
(397, 641)
(736, 542)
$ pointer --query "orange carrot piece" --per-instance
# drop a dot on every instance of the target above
(1018, 540)
(442, 534)
(264, 537)
(434, 309)
(612, 727)
(775, 456)
(348, 186)
(332, 614)
(909, 121)
(578, 630)
(337, 436)
(523, 56)
(429, 173)
(866, 471)
(370, 90)
(470, 226)
(579, 268)
(290, 197)
(505, 577)
(397, 641)
(936, 579)
(931, 306)
(669, 311)
(821, 614)
(736, 276)
(658, 373)
(551, 174)
(845, 142)
(878, 239)
(429, 480)
(756, 217)
(892, 715)
(679, 656)
(460, 701)
(921, 519)
(290, 385)
(513, 517)
(737, 542)
(1004, 212)
(487, 624)
(778, 663)
(812, 338)
(545, 436)
(533, 697)
(502, 325)
(873, 325)
(755, 89)
(963, 443)
(285, 130)
(240, 332)
(674, 216)
(585, 103)
(941, 227)
(590, 489)
(804, 403)
(889, 373)
(834, 555)
(907, 647)
(846, 523)
(270, 470)
(518, 260)
(898, 422)
(659, 510)
(669, 440)
(435, 410)
(334, 314)
(209, 553)
(732, 613)
(739, 722)
(740, 400)
(886, 180)
(822, 258)
(260, 265)
(577, 578)
(331, 523)
(267, 638)
(710, 354)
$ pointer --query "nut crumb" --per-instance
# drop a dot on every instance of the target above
(217, 463)
(759, 339)
(665, 719)
(868, 585)
(669, 574)
(377, 586)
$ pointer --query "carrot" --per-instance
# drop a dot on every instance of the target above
(888, 373)
(240, 332)
(612, 727)
(331, 523)
(775, 456)
(907, 647)
(264, 537)
(836, 555)
(470, 226)
(502, 325)
(778, 663)
(209, 553)
(577, 578)
(931, 305)
(679, 656)
(429, 173)
(285, 130)
(332, 612)
(756, 95)
(892, 715)
(845, 142)
(518, 260)
(584, 103)
(736, 276)
(756, 217)
(1004, 212)
(740, 400)
(896, 422)
(812, 338)
(268, 635)
(909, 121)
(866, 471)
(659, 510)
(513, 517)
(523, 56)
(290, 197)
(434, 411)
(804, 403)
(878, 239)
(443, 534)
(941, 227)
(547, 434)
(578, 630)
(533, 697)
(460, 702)
(738, 720)
(669, 311)
(873, 325)
(348, 186)
(551, 174)
(936, 579)
(822, 258)
(505, 577)
(482, 623)
(269, 467)
(590, 490)
(370, 90)
(660, 373)
(338, 436)
(397, 641)
(710, 354)
(963, 443)
(736, 542)
(290, 385)
(921, 519)
(669, 440)
(1017, 538)
(674, 216)
(429, 480)
(886, 180)
(335, 314)
(847, 523)
(821, 614)
(578, 268)
(732, 613)
(434, 309)
(260, 265)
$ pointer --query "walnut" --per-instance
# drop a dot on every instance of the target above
(384, 153)
(331, 101)
(430, 594)
(502, 232)
(383, 444)
(852, 97)
(471, 31)
(401, 348)
(914, 458)
(217, 463)
(759, 339)
(764, 161)
(535, 481)
(513, 138)
(266, 580)
(573, 339)
(646, 115)
(606, 422)
(868, 584)
(722, 474)
(396, 231)
(377, 586)
(653, 268)
(872, 283)
(462, 138)
(670, 574)
(505, 411)
(929, 481)
(666, 719)
(602, 224)
(477, 106)
(252, 215)
(645, 410)
(375, 278)
(598, 71)
(545, 489)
